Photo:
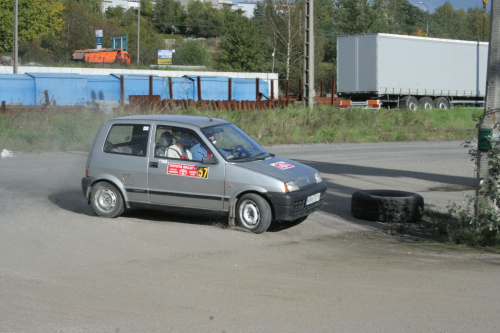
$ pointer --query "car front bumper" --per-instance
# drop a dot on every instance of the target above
(292, 206)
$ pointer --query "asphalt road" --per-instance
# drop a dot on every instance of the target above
(62, 269)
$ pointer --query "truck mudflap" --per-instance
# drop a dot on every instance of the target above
(374, 104)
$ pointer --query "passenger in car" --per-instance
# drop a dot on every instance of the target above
(178, 149)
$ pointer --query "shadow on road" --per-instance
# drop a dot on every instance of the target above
(336, 204)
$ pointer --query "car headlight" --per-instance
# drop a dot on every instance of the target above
(291, 186)
(318, 177)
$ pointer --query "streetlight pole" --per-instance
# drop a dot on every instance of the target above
(138, 30)
(15, 35)
(422, 3)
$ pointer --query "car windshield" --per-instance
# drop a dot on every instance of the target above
(234, 144)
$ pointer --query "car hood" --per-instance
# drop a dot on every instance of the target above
(283, 169)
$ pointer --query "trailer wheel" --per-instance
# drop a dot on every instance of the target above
(426, 103)
(409, 103)
(387, 206)
(441, 103)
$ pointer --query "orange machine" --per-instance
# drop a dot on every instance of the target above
(102, 56)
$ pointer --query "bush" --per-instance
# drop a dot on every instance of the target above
(191, 52)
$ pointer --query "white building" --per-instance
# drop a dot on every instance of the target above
(247, 8)
(127, 4)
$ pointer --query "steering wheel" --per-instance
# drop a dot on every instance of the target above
(239, 151)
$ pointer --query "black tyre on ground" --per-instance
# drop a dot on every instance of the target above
(426, 103)
(253, 213)
(387, 206)
(441, 103)
(408, 103)
(106, 200)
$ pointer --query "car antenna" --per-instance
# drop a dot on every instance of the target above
(210, 118)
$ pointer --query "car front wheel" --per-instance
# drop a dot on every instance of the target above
(254, 213)
(106, 200)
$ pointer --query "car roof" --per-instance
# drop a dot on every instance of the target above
(181, 119)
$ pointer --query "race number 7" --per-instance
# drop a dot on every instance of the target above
(202, 172)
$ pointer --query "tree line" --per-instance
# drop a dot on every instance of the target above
(272, 40)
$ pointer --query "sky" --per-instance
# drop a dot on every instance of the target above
(457, 4)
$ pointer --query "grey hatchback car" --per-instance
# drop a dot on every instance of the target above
(199, 165)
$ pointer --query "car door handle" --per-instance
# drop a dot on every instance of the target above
(153, 164)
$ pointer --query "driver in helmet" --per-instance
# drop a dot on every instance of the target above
(180, 148)
(199, 150)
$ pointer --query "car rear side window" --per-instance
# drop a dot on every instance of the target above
(128, 139)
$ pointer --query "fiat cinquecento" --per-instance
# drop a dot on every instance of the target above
(199, 165)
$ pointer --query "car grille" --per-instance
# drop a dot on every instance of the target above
(300, 207)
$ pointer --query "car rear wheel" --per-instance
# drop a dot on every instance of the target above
(254, 213)
(106, 200)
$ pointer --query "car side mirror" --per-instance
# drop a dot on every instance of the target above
(209, 160)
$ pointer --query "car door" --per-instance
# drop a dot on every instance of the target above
(181, 182)
(124, 157)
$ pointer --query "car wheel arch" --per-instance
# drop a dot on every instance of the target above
(234, 203)
(113, 181)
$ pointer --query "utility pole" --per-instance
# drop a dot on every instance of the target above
(309, 54)
(138, 31)
(487, 128)
(485, 3)
(15, 36)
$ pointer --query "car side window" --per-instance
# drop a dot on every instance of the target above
(176, 143)
(127, 139)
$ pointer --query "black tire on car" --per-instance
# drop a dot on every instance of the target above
(426, 103)
(387, 206)
(409, 103)
(441, 103)
(106, 200)
(253, 213)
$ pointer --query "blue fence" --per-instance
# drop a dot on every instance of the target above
(76, 89)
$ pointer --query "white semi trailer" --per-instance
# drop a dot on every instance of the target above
(409, 72)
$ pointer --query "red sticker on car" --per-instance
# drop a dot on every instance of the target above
(282, 165)
(187, 170)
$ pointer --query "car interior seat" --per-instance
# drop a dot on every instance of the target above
(166, 140)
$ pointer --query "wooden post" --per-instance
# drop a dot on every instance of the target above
(287, 91)
(150, 85)
(122, 91)
(170, 88)
(229, 90)
(47, 101)
(333, 90)
(198, 81)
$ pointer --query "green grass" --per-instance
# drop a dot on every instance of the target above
(51, 131)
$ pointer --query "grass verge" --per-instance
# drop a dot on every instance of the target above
(51, 131)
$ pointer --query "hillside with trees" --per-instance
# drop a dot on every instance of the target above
(272, 40)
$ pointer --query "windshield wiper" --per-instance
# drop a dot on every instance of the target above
(262, 156)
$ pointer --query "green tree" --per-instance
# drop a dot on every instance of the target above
(80, 23)
(443, 21)
(93, 5)
(116, 13)
(191, 52)
(475, 21)
(168, 16)
(35, 18)
(202, 20)
(287, 21)
(150, 42)
(240, 49)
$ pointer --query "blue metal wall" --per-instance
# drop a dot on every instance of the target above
(76, 89)
(17, 89)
